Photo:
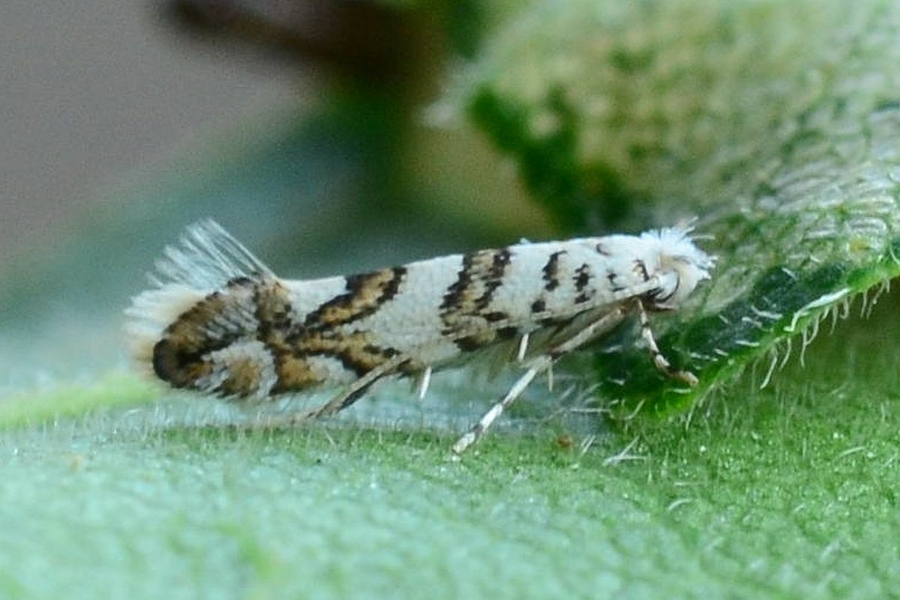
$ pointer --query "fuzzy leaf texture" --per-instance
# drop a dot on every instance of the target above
(776, 123)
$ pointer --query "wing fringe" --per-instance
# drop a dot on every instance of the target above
(205, 259)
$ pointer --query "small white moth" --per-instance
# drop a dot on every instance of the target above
(218, 321)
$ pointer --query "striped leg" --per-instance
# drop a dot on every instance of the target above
(538, 365)
(659, 360)
(545, 362)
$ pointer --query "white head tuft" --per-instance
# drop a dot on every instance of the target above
(685, 263)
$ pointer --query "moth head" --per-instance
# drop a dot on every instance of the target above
(681, 265)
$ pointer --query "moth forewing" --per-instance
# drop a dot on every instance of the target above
(219, 322)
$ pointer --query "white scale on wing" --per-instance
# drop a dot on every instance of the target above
(219, 322)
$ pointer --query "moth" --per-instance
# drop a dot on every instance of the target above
(219, 322)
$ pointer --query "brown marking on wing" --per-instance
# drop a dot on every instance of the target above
(261, 311)
(245, 373)
(179, 357)
(177, 367)
(365, 294)
(480, 276)
(321, 332)
(483, 338)
(294, 374)
(354, 350)
(583, 277)
(611, 277)
(465, 304)
(273, 307)
(551, 271)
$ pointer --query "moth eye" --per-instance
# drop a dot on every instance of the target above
(669, 284)
(603, 250)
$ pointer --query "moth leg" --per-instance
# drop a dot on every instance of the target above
(353, 392)
(423, 383)
(474, 434)
(537, 366)
(523, 347)
(659, 360)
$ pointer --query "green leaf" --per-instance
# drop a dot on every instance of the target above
(782, 493)
(776, 123)
(59, 401)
